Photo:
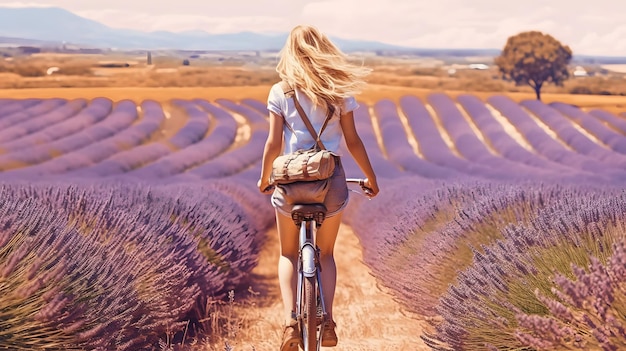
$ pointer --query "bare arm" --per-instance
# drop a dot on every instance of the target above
(272, 149)
(357, 150)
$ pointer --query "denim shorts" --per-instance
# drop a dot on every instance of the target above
(333, 193)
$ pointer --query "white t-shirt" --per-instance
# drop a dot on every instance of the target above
(278, 103)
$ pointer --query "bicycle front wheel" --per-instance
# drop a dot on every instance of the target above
(309, 321)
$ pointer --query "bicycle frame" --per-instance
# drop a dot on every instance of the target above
(309, 268)
(308, 217)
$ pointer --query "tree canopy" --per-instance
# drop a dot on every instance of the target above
(534, 58)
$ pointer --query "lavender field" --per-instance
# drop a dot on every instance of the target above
(500, 222)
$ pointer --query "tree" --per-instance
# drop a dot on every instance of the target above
(534, 58)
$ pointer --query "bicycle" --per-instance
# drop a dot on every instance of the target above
(310, 309)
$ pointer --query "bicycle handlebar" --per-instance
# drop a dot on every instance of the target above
(361, 183)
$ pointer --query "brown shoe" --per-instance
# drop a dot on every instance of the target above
(329, 337)
(291, 337)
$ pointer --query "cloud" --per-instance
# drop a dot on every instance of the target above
(352, 20)
(593, 43)
(483, 24)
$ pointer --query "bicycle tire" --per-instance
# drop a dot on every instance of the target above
(309, 327)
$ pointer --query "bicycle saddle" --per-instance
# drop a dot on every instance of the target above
(309, 209)
(308, 212)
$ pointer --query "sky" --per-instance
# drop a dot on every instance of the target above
(595, 27)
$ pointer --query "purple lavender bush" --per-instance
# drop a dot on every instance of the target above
(522, 293)
(423, 233)
(116, 265)
(587, 312)
(25, 128)
(29, 109)
(11, 106)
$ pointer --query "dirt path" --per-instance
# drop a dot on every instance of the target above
(368, 318)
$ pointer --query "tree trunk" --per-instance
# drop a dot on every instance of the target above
(538, 90)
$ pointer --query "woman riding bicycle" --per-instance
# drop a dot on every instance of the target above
(324, 81)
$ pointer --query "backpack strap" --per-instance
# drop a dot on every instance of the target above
(290, 92)
(287, 89)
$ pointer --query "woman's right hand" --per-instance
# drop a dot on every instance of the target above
(372, 185)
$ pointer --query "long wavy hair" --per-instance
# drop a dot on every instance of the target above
(311, 62)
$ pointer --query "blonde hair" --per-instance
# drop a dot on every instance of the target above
(311, 62)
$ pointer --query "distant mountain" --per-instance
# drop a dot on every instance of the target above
(26, 42)
(58, 25)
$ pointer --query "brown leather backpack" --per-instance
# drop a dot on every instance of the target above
(315, 163)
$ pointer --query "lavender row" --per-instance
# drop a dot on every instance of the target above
(432, 225)
(254, 117)
(468, 144)
(616, 141)
(233, 161)
(575, 139)
(38, 123)
(91, 124)
(29, 111)
(83, 161)
(194, 129)
(220, 166)
(546, 146)
(433, 146)
(10, 106)
(501, 141)
(220, 138)
(242, 189)
(364, 126)
(238, 157)
(74, 120)
(256, 105)
(141, 154)
(611, 120)
(126, 161)
(376, 231)
(115, 265)
(410, 220)
(398, 149)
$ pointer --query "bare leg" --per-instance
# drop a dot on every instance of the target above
(326, 237)
(287, 263)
